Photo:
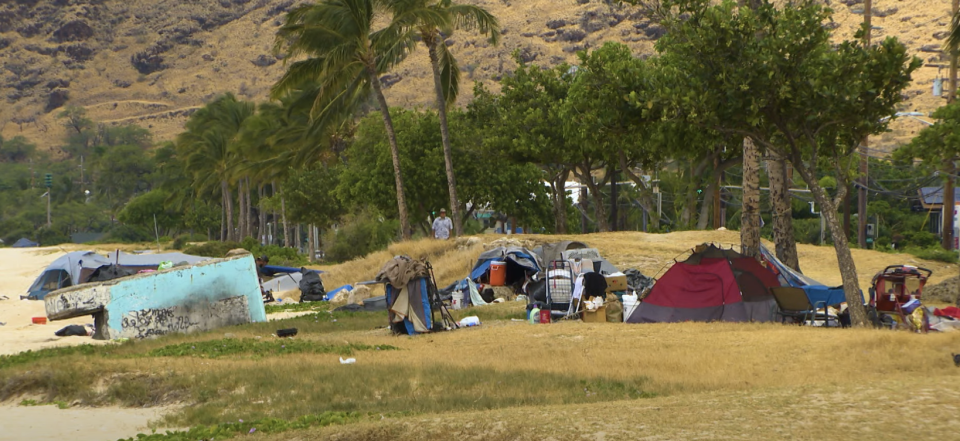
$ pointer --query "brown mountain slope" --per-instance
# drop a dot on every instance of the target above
(153, 62)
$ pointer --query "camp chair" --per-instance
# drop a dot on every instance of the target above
(559, 284)
(794, 303)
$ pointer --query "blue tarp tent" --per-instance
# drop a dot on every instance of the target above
(519, 261)
(816, 291)
(24, 243)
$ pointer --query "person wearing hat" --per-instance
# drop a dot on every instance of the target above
(442, 226)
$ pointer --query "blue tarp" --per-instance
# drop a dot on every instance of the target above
(818, 293)
(520, 256)
(272, 270)
(334, 292)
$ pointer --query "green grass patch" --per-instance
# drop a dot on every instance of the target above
(296, 307)
(279, 390)
(33, 356)
(258, 348)
(264, 425)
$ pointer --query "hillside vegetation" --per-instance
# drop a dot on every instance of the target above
(153, 63)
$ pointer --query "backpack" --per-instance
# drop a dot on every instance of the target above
(311, 287)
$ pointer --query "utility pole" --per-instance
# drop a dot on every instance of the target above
(948, 187)
(862, 191)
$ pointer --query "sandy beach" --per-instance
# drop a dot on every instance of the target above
(21, 266)
(18, 333)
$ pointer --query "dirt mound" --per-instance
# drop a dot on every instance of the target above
(945, 291)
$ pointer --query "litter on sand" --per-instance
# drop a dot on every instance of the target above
(348, 361)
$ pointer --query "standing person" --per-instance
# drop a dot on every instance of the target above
(442, 226)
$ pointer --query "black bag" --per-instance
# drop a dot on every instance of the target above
(311, 287)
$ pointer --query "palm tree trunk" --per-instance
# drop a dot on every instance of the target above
(310, 251)
(786, 246)
(223, 217)
(750, 214)
(249, 200)
(286, 226)
(241, 214)
(394, 152)
(228, 207)
(432, 42)
(262, 219)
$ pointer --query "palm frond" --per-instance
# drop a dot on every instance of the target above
(475, 17)
(449, 73)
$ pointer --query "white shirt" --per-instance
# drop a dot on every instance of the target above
(442, 227)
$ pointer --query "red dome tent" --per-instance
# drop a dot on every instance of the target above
(712, 284)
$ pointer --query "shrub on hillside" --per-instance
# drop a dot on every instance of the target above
(359, 234)
(934, 253)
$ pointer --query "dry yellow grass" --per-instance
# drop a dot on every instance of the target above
(649, 253)
(223, 62)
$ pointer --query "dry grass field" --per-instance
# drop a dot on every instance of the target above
(507, 379)
(217, 47)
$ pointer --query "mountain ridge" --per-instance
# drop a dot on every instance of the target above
(154, 62)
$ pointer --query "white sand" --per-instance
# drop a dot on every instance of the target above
(20, 267)
(49, 423)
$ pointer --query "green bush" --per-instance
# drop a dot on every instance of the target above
(128, 234)
(934, 253)
(278, 255)
(919, 239)
(212, 249)
(165, 239)
(360, 234)
(51, 237)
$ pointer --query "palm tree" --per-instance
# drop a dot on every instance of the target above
(435, 20)
(208, 150)
(347, 56)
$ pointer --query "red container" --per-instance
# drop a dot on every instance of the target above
(39, 320)
(544, 316)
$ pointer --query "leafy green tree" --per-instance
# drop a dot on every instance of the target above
(75, 118)
(525, 123)
(347, 54)
(436, 20)
(16, 149)
(725, 69)
(142, 210)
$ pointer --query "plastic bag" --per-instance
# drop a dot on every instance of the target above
(470, 321)
(165, 265)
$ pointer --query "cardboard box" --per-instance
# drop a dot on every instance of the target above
(598, 316)
(616, 282)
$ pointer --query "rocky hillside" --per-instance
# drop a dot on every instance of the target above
(152, 62)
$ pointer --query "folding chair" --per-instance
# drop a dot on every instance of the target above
(794, 303)
(559, 284)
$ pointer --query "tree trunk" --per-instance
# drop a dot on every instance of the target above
(286, 226)
(445, 136)
(249, 200)
(223, 217)
(948, 209)
(750, 213)
(311, 252)
(646, 196)
(262, 215)
(242, 215)
(848, 269)
(559, 199)
(707, 205)
(394, 152)
(228, 207)
(786, 246)
(599, 208)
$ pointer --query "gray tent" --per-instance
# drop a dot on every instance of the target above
(568, 249)
(24, 243)
(68, 270)
(153, 260)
